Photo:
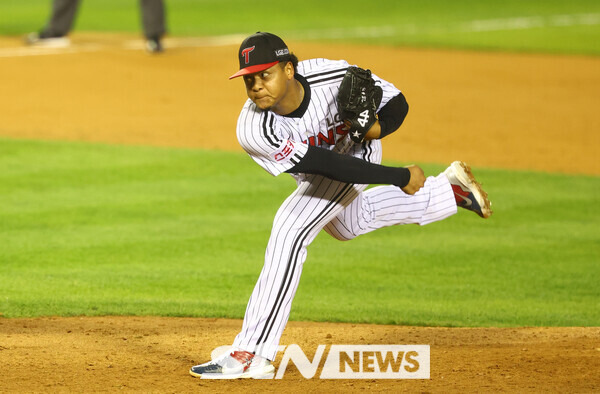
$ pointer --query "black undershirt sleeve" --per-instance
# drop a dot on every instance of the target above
(349, 169)
(392, 115)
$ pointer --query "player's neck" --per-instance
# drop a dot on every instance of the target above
(292, 100)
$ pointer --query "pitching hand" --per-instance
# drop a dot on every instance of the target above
(417, 180)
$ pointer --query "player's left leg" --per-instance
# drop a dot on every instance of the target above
(298, 221)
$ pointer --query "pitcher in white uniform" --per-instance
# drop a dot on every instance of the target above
(290, 123)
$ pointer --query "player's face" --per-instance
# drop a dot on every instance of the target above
(268, 88)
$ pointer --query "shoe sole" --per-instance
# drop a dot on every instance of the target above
(464, 175)
(267, 372)
(54, 43)
(263, 373)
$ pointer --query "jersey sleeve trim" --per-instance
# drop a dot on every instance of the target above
(269, 131)
(326, 76)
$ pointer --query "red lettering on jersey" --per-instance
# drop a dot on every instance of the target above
(329, 138)
(285, 152)
(246, 53)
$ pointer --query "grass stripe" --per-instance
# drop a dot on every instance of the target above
(99, 229)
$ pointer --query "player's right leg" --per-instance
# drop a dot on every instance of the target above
(385, 206)
(388, 205)
(468, 192)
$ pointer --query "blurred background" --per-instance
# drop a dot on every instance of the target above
(531, 25)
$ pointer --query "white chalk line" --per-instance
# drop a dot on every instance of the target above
(504, 24)
(532, 22)
(40, 51)
(484, 25)
(189, 42)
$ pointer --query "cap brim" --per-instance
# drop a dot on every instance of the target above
(253, 69)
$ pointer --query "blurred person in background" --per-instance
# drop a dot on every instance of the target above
(54, 34)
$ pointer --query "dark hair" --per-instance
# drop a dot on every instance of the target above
(294, 59)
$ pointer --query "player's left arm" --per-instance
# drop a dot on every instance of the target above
(389, 118)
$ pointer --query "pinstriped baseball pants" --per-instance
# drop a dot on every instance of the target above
(345, 211)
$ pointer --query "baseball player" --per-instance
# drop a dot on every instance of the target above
(292, 123)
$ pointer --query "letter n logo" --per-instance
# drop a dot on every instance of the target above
(246, 53)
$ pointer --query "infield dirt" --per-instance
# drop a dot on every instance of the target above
(152, 354)
(534, 112)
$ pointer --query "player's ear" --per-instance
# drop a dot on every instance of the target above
(289, 70)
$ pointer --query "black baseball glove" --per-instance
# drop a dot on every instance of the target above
(358, 100)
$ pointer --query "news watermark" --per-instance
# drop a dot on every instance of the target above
(353, 361)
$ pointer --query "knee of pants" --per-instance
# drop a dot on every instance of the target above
(338, 233)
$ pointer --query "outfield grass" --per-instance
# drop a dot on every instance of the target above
(516, 25)
(99, 229)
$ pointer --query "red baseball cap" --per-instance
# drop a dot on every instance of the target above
(259, 52)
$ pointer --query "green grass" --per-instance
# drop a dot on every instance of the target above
(114, 230)
(428, 23)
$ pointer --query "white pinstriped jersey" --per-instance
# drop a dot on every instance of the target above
(278, 142)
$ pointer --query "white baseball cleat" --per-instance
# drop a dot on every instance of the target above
(154, 45)
(38, 40)
(235, 365)
(467, 190)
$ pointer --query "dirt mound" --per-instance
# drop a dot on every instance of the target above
(152, 354)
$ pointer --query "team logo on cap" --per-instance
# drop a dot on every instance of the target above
(246, 53)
